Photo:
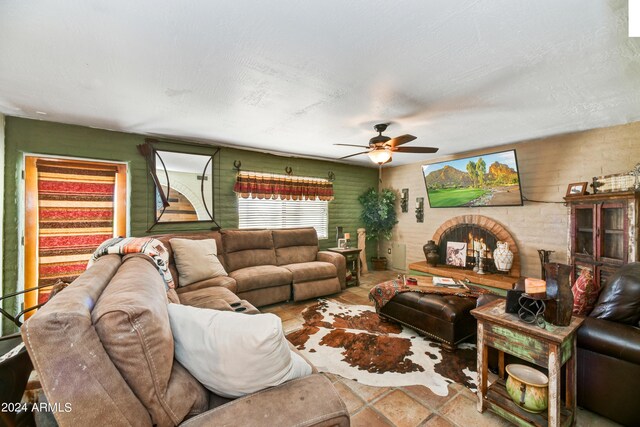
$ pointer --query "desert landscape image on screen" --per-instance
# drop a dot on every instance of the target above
(486, 180)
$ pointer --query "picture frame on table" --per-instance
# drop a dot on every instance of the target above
(342, 243)
(577, 189)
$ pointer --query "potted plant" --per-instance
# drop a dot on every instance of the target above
(379, 217)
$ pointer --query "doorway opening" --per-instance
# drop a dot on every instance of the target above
(71, 207)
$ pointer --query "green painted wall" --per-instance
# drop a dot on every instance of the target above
(46, 138)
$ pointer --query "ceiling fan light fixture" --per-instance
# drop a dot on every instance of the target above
(379, 155)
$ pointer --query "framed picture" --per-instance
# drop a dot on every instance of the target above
(342, 243)
(577, 189)
(457, 254)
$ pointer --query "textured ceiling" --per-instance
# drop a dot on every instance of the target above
(295, 77)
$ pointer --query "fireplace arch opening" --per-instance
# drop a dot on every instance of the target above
(470, 228)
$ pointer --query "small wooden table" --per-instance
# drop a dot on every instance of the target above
(550, 347)
(352, 256)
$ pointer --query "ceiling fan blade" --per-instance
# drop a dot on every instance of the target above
(399, 140)
(351, 145)
(414, 149)
(351, 155)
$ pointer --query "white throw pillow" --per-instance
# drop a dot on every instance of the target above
(196, 260)
(233, 354)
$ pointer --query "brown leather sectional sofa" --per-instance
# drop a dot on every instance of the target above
(104, 352)
(266, 266)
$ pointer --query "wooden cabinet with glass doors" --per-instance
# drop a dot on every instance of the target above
(603, 230)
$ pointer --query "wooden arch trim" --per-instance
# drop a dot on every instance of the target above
(494, 227)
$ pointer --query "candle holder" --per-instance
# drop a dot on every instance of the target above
(404, 200)
(420, 209)
(481, 262)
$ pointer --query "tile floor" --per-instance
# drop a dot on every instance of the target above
(404, 406)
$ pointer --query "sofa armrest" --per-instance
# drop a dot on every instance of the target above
(307, 401)
(610, 338)
(339, 261)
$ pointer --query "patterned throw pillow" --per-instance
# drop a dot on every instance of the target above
(585, 293)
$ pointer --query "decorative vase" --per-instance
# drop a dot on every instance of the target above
(528, 388)
(503, 257)
(559, 303)
(430, 250)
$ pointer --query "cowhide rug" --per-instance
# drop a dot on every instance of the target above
(354, 342)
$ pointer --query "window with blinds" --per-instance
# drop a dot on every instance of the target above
(269, 213)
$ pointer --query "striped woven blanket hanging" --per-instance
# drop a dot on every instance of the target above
(75, 215)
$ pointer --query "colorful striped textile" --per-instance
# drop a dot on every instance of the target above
(283, 187)
(149, 246)
(75, 215)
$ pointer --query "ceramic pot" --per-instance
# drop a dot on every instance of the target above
(503, 257)
(430, 250)
(528, 388)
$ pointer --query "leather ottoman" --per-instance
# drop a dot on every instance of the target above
(446, 318)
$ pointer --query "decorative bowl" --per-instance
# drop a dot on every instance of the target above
(528, 387)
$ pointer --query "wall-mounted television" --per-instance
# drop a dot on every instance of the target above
(486, 180)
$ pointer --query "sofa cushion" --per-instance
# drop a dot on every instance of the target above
(217, 298)
(165, 239)
(220, 281)
(247, 248)
(261, 276)
(295, 245)
(585, 293)
(315, 270)
(196, 260)
(132, 322)
(234, 354)
(619, 300)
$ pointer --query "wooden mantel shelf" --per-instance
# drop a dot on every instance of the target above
(494, 280)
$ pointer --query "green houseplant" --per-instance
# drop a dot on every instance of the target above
(379, 217)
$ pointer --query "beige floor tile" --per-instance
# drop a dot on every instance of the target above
(437, 421)
(369, 418)
(428, 398)
(366, 392)
(462, 411)
(350, 399)
(401, 409)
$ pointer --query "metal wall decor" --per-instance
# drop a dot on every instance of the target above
(420, 209)
(404, 200)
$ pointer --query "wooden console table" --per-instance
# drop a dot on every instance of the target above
(493, 280)
(550, 347)
(352, 256)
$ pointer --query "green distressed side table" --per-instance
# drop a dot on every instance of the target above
(549, 347)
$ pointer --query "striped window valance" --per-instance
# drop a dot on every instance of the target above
(269, 186)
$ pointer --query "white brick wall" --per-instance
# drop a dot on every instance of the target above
(547, 166)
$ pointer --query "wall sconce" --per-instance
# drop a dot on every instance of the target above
(420, 209)
(404, 200)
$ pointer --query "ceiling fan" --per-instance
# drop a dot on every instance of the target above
(381, 147)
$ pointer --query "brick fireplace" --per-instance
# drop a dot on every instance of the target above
(470, 228)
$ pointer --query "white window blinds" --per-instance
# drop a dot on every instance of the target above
(269, 213)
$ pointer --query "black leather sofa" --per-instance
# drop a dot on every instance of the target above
(609, 350)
